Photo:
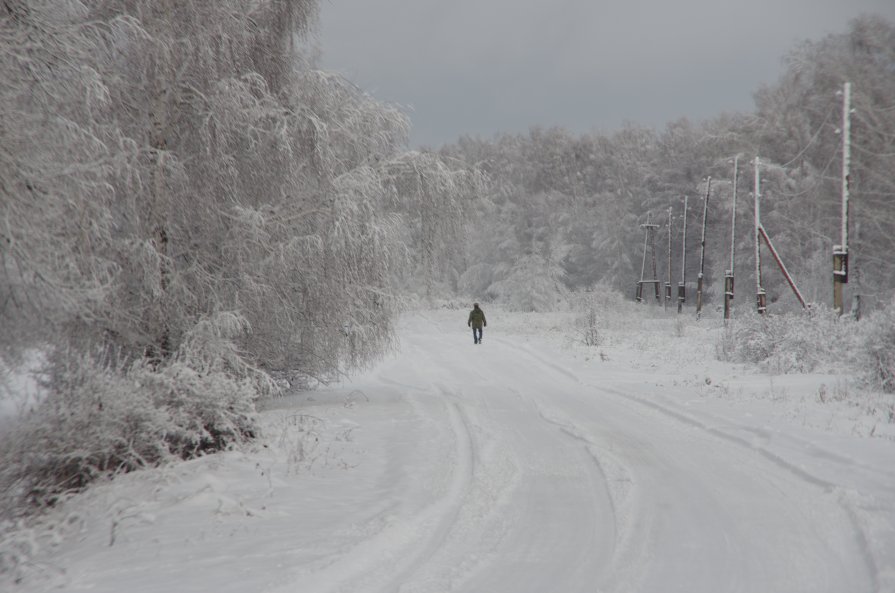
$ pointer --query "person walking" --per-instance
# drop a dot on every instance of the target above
(476, 321)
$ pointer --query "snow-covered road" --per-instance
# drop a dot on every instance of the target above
(499, 468)
(560, 482)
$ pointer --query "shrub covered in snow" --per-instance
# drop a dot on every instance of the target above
(99, 417)
(532, 283)
(788, 343)
(876, 353)
(595, 308)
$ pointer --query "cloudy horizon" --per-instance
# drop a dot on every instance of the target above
(489, 66)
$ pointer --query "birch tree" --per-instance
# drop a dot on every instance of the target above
(434, 198)
(189, 211)
(54, 196)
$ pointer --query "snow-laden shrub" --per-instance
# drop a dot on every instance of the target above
(876, 352)
(790, 343)
(532, 283)
(595, 308)
(98, 418)
(92, 421)
(589, 328)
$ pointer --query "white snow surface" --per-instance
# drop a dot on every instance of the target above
(528, 463)
(18, 387)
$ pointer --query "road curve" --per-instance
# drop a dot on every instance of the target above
(558, 484)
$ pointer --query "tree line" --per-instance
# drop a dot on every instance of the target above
(192, 215)
(565, 209)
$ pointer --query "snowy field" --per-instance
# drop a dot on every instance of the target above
(530, 463)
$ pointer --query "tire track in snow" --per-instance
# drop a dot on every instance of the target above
(384, 559)
(452, 502)
(546, 505)
(840, 497)
(631, 521)
(611, 487)
(827, 487)
(473, 533)
(560, 370)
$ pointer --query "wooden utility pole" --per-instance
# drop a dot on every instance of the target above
(840, 252)
(682, 285)
(728, 276)
(760, 234)
(700, 277)
(786, 275)
(760, 296)
(668, 282)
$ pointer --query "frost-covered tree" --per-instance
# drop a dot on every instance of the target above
(202, 172)
(433, 198)
(798, 118)
(54, 167)
(608, 182)
(190, 209)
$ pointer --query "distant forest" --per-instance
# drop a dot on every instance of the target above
(563, 211)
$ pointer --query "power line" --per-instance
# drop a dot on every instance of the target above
(810, 142)
(887, 155)
(820, 179)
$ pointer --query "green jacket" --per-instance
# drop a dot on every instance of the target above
(477, 318)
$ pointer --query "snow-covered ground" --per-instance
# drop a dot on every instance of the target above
(18, 389)
(530, 463)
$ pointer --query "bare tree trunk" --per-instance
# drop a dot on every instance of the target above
(160, 330)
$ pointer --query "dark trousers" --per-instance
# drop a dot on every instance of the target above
(476, 337)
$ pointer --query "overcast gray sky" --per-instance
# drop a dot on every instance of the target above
(485, 66)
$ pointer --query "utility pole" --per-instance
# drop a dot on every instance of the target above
(700, 277)
(760, 296)
(855, 272)
(840, 252)
(682, 286)
(639, 294)
(647, 244)
(761, 234)
(728, 276)
(668, 283)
